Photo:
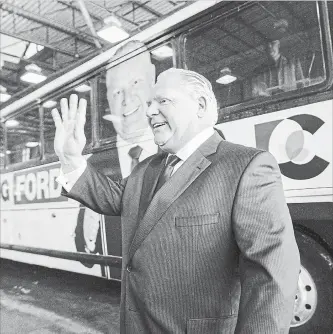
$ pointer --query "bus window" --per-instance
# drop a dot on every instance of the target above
(137, 92)
(23, 137)
(263, 49)
(83, 91)
(162, 57)
(2, 148)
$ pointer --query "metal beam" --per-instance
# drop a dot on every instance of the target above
(95, 16)
(31, 40)
(253, 29)
(89, 23)
(31, 61)
(147, 8)
(80, 35)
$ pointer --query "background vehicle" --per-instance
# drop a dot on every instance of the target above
(290, 117)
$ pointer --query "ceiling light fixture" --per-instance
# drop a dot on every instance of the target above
(4, 96)
(33, 74)
(32, 50)
(226, 77)
(49, 104)
(11, 123)
(112, 30)
(82, 88)
(32, 144)
(163, 51)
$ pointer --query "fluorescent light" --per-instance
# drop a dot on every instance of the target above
(32, 50)
(2, 155)
(33, 77)
(82, 88)
(49, 104)
(163, 52)
(4, 97)
(32, 144)
(33, 74)
(113, 34)
(226, 77)
(11, 123)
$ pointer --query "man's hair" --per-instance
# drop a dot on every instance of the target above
(197, 86)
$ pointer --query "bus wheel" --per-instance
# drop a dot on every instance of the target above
(314, 298)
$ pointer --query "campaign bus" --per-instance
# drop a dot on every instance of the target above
(270, 65)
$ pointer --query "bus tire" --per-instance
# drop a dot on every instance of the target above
(314, 300)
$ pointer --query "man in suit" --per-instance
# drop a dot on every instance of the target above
(208, 243)
(129, 86)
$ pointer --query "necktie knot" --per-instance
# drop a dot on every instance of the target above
(172, 160)
(170, 163)
(134, 153)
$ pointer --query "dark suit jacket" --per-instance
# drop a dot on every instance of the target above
(212, 252)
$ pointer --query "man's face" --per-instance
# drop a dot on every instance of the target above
(173, 114)
(128, 90)
(274, 49)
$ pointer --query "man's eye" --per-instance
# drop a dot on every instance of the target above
(117, 92)
(163, 101)
(136, 82)
(148, 103)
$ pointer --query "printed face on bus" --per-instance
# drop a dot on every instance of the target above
(174, 113)
(129, 86)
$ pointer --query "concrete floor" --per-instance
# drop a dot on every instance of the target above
(39, 300)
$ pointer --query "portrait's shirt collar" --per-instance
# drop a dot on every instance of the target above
(146, 142)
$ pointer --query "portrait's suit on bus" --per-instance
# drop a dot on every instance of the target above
(213, 251)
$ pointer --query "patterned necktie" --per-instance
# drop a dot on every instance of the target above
(134, 153)
(166, 173)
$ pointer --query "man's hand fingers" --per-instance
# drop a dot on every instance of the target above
(64, 110)
(81, 118)
(56, 118)
(73, 100)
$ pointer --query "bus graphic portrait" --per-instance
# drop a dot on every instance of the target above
(127, 97)
(271, 67)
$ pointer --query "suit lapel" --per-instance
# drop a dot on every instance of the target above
(150, 213)
(149, 182)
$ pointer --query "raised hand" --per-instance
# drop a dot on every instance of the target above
(69, 140)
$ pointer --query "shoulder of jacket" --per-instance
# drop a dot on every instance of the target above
(238, 149)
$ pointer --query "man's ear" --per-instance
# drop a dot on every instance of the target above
(202, 107)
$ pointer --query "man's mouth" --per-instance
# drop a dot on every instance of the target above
(131, 112)
(158, 125)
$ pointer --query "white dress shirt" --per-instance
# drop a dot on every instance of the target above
(69, 179)
(185, 152)
(148, 148)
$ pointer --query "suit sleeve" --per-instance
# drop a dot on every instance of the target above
(98, 192)
(269, 260)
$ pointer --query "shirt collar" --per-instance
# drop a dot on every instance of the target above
(185, 152)
(146, 141)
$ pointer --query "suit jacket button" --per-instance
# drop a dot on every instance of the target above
(129, 268)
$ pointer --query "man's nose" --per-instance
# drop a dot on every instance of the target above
(152, 110)
(127, 97)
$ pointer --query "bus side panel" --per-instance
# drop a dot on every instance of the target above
(33, 214)
(301, 141)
